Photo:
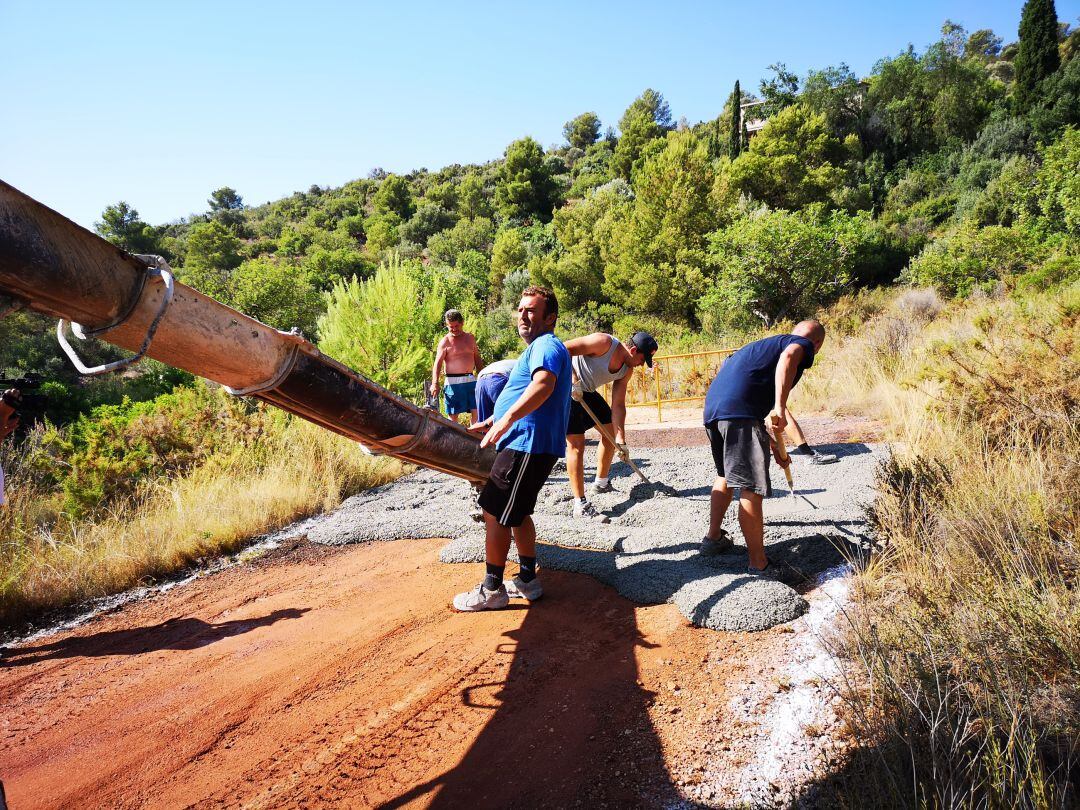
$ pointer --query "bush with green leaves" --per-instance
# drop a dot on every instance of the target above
(645, 121)
(584, 230)
(213, 252)
(323, 267)
(778, 265)
(111, 452)
(429, 219)
(383, 233)
(1057, 184)
(386, 327)
(394, 197)
(476, 234)
(795, 160)
(277, 293)
(974, 258)
(658, 248)
(525, 188)
(1007, 198)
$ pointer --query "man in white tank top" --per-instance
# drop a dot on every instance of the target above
(599, 359)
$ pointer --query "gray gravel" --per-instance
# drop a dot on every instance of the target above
(649, 550)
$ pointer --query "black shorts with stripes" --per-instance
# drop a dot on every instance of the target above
(516, 478)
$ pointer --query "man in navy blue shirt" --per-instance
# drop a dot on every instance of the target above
(752, 386)
(528, 429)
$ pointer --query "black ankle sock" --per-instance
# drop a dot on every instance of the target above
(805, 448)
(494, 578)
(527, 572)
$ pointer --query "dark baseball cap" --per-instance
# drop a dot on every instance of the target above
(646, 344)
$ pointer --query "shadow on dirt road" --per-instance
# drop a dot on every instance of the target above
(571, 722)
(186, 633)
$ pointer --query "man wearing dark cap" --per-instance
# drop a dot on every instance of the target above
(599, 359)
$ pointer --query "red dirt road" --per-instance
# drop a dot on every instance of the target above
(320, 677)
(339, 677)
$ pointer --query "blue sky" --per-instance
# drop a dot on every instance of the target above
(160, 103)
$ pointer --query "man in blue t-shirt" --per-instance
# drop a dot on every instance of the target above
(752, 385)
(528, 428)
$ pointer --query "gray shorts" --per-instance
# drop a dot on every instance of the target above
(740, 451)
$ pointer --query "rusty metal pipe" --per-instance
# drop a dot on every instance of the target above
(55, 267)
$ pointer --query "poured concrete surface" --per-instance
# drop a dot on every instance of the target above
(649, 550)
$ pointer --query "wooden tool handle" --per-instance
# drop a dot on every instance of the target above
(781, 450)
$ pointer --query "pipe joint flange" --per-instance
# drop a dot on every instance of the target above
(274, 381)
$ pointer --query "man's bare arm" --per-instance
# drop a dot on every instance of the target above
(785, 377)
(618, 406)
(592, 345)
(436, 367)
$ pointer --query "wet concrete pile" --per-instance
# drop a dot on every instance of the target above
(649, 550)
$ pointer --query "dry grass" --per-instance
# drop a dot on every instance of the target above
(964, 646)
(49, 560)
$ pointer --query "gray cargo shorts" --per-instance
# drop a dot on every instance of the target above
(740, 451)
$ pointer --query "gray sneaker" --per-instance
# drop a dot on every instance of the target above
(596, 488)
(516, 589)
(479, 598)
(587, 510)
(711, 548)
(814, 457)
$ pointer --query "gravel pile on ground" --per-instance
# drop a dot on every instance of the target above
(648, 551)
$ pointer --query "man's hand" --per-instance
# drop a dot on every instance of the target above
(496, 432)
(781, 456)
(9, 401)
(778, 419)
(476, 427)
(9, 426)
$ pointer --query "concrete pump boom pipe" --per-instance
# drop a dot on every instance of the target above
(53, 266)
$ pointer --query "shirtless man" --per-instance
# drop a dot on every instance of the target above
(599, 359)
(458, 351)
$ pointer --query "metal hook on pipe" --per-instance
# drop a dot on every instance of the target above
(161, 272)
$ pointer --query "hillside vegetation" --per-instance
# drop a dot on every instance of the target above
(928, 212)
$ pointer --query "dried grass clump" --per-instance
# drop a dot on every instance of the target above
(964, 648)
(50, 559)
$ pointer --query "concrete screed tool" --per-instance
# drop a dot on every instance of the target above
(624, 453)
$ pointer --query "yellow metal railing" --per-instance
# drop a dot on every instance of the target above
(675, 378)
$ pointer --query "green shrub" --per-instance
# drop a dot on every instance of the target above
(386, 327)
(974, 258)
(108, 454)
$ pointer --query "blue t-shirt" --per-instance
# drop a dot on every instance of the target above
(745, 388)
(543, 430)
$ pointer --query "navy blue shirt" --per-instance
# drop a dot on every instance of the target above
(543, 430)
(745, 388)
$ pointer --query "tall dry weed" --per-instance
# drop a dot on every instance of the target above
(49, 559)
(964, 684)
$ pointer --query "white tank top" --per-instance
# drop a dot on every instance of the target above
(593, 372)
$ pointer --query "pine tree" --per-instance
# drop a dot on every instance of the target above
(735, 141)
(1038, 55)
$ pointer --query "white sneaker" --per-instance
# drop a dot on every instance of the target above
(605, 487)
(481, 599)
(584, 509)
(516, 589)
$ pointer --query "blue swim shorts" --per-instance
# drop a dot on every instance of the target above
(460, 393)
